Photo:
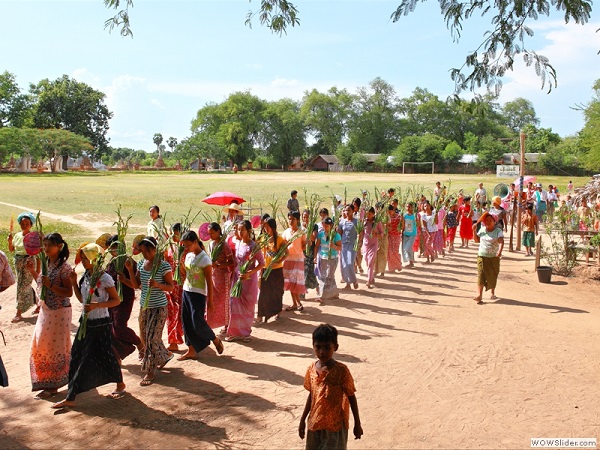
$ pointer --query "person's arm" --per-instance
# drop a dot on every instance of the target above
(167, 284)
(302, 426)
(317, 245)
(11, 247)
(501, 242)
(134, 276)
(358, 431)
(209, 286)
(336, 245)
(62, 291)
(127, 280)
(73, 280)
(33, 267)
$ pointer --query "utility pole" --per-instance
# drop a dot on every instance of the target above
(520, 199)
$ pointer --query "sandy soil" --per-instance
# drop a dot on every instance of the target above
(432, 369)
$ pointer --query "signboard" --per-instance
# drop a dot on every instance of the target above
(505, 170)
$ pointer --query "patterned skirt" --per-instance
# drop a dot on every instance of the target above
(219, 316)
(93, 360)
(25, 292)
(152, 322)
(293, 274)
(51, 349)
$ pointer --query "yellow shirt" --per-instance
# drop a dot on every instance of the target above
(18, 244)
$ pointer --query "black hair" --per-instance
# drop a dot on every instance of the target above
(294, 192)
(530, 206)
(192, 237)
(111, 241)
(273, 226)
(148, 242)
(325, 333)
(264, 217)
(248, 226)
(176, 227)
(156, 208)
(57, 239)
(371, 210)
(391, 190)
(357, 201)
(391, 208)
(294, 214)
(216, 227)
(328, 221)
(324, 211)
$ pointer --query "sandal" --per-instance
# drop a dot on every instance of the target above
(162, 366)
(232, 338)
(289, 308)
(115, 395)
(246, 339)
(44, 394)
(146, 381)
(16, 319)
(493, 297)
(300, 308)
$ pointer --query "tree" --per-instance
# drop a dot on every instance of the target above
(70, 105)
(358, 162)
(172, 142)
(283, 132)
(235, 124)
(14, 105)
(199, 145)
(327, 115)
(452, 153)
(484, 66)
(158, 139)
(518, 113)
(590, 135)
(425, 148)
(491, 150)
(374, 127)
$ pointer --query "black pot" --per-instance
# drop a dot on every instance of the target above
(544, 274)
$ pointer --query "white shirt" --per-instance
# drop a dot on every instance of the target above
(105, 282)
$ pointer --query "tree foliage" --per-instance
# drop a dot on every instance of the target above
(74, 106)
(283, 133)
(484, 66)
(15, 106)
(518, 113)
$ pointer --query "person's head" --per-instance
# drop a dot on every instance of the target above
(154, 212)
(364, 193)
(583, 202)
(26, 220)
(305, 216)
(112, 243)
(323, 213)
(453, 206)
(265, 217)
(395, 203)
(102, 240)
(512, 186)
(489, 221)
(409, 208)
(325, 342)
(244, 229)
(391, 210)
(294, 194)
(391, 192)
(349, 210)
(55, 247)
(480, 185)
(271, 227)
(148, 247)
(530, 185)
(371, 213)
(438, 184)
(356, 202)
(496, 201)
(214, 231)
(427, 207)
(467, 200)
(327, 224)
(529, 208)
(176, 232)
(191, 243)
(135, 246)
(338, 199)
(294, 218)
(88, 255)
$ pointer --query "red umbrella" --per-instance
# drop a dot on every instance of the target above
(223, 198)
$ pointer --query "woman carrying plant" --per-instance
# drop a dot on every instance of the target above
(409, 235)
(347, 229)
(394, 227)
(382, 246)
(125, 339)
(310, 278)
(428, 232)
(222, 267)
(491, 243)
(155, 278)
(93, 360)
(270, 299)
(328, 245)
(465, 213)
(197, 295)
(25, 272)
(174, 297)
(51, 343)
(244, 294)
(372, 231)
(293, 266)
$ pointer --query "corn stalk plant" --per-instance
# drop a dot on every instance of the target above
(96, 272)
(122, 226)
(42, 254)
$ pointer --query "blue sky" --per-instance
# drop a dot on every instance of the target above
(185, 54)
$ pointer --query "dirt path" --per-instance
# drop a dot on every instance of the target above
(432, 369)
(87, 221)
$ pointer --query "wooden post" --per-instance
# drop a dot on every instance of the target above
(521, 175)
(538, 252)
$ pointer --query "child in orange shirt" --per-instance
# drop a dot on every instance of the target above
(530, 229)
(331, 396)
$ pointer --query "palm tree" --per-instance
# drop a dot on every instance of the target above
(158, 140)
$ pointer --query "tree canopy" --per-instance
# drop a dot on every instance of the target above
(484, 66)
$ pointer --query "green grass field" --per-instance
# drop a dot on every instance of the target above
(96, 196)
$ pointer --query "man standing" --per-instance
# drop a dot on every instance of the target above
(481, 196)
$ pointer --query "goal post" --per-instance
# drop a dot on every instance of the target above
(419, 163)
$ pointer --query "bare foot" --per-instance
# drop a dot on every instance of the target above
(219, 346)
(173, 347)
(46, 393)
(63, 404)
(190, 354)
(147, 381)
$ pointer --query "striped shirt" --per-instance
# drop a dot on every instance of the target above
(157, 296)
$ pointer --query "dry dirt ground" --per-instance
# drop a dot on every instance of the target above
(432, 369)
